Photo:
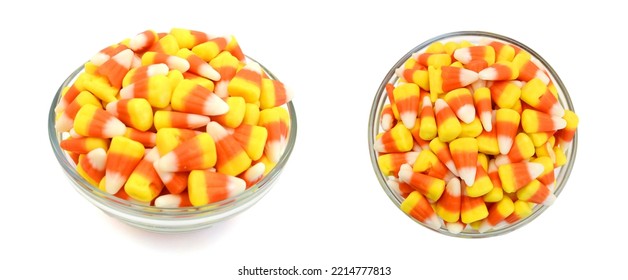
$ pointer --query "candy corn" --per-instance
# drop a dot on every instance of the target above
(419, 208)
(122, 157)
(500, 71)
(514, 176)
(144, 183)
(196, 153)
(447, 124)
(156, 89)
(192, 98)
(135, 112)
(231, 158)
(428, 129)
(497, 213)
(143, 41)
(535, 121)
(164, 118)
(407, 102)
(273, 93)
(92, 165)
(96, 122)
(461, 102)
(448, 206)
(206, 187)
(247, 83)
(432, 188)
(398, 139)
(506, 124)
(464, 152)
(173, 200)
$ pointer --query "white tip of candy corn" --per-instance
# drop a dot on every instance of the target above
(463, 55)
(386, 122)
(167, 163)
(559, 123)
(64, 123)
(393, 184)
(255, 172)
(220, 89)
(175, 62)
(97, 158)
(505, 143)
(486, 118)
(138, 42)
(127, 92)
(114, 182)
(405, 172)
(466, 113)
(408, 119)
(433, 222)
(209, 72)
(215, 106)
(399, 72)
(124, 58)
(535, 169)
(99, 58)
(274, 150)
(467, 77)
(501, 160)
(235, 186)
(114, 127)
(489, 74)
(549, 200)
(151, 155)
(557, 110)
(542, 76)
(454, 228)
(195, 120)
(289, 93)
(484, 227)
(216, 131)
(467, 174)
(157, 69)
(411, 157)
(415, 55)
(452, 167)
(379, 145)
(168, 200)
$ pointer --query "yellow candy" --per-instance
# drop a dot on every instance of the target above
(174, 77)
(101, 89)
(436, 47)
(436, 82)
(473, 129)
(234, 117)
(251, 114)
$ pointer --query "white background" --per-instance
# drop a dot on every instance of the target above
(327, 209)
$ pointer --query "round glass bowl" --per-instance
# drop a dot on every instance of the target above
(475, 37)
(166, 219)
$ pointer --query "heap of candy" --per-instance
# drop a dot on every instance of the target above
(173, 119)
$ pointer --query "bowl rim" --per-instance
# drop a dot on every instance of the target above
(380, 99)
(216, 208)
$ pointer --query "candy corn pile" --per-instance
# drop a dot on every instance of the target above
(472, 135)
(173, 119)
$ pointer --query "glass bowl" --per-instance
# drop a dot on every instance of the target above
(475, 37)
(158, 219)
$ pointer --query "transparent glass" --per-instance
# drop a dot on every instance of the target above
(166, 219)
(562, 173)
